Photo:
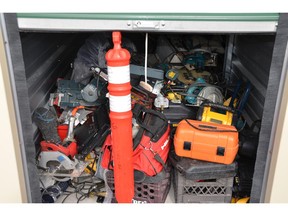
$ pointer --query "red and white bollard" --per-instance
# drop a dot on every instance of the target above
(118, 60)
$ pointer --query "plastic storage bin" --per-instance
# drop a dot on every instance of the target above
(154, 192)
(196, 181)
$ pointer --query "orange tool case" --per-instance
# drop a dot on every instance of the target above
(206, 141)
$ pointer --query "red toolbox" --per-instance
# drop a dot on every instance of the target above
(206, 141)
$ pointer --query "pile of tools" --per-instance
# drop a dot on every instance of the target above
(184, 84)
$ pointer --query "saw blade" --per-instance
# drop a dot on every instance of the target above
(59, 166)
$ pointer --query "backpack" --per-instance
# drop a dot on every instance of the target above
(150, 146)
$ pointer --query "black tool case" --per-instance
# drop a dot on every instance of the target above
(199, 170)
(41, 48)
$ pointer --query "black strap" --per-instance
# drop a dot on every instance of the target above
(160, 160)
(138, 111)
(219, 106)
(110, 163)
(208, 128)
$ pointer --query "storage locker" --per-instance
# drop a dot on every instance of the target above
(41, 47)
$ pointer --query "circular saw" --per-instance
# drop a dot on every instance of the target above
(59, 166)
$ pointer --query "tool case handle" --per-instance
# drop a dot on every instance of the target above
(219, 106)
(155, 126)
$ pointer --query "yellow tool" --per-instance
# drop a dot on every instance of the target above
(240, 200)
(174, 96)
(227, 102)
(171, 74)
(215, 113)
(92, 165)
(243, 200)
(209, 115)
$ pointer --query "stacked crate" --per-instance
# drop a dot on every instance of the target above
(150, 190)
(196, 181)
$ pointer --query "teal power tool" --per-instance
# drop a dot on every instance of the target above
(72, 94)
(197, 60)
(194, 90)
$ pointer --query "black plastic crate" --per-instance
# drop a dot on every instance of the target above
(155, 192)
(196, 181)
(202, 191)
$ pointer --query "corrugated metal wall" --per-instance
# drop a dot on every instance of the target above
(38, 59)
(251, 60)
(47, 57)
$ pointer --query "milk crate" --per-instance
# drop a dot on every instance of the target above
(197, 181)
(149, 191)
(202, 191)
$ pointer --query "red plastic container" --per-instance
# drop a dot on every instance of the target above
(62, 131)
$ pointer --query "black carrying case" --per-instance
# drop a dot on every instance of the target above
(201, 170)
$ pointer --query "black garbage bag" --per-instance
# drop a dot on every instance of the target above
(92, 54)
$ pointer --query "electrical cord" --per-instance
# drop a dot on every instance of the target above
(244, 124)
(85, 195)
(93, 69)
(66, 197)
(78, 188)
(211, 129)
(81, 190)
(45, 190)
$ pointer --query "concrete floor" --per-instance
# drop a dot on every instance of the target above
(74, 197)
